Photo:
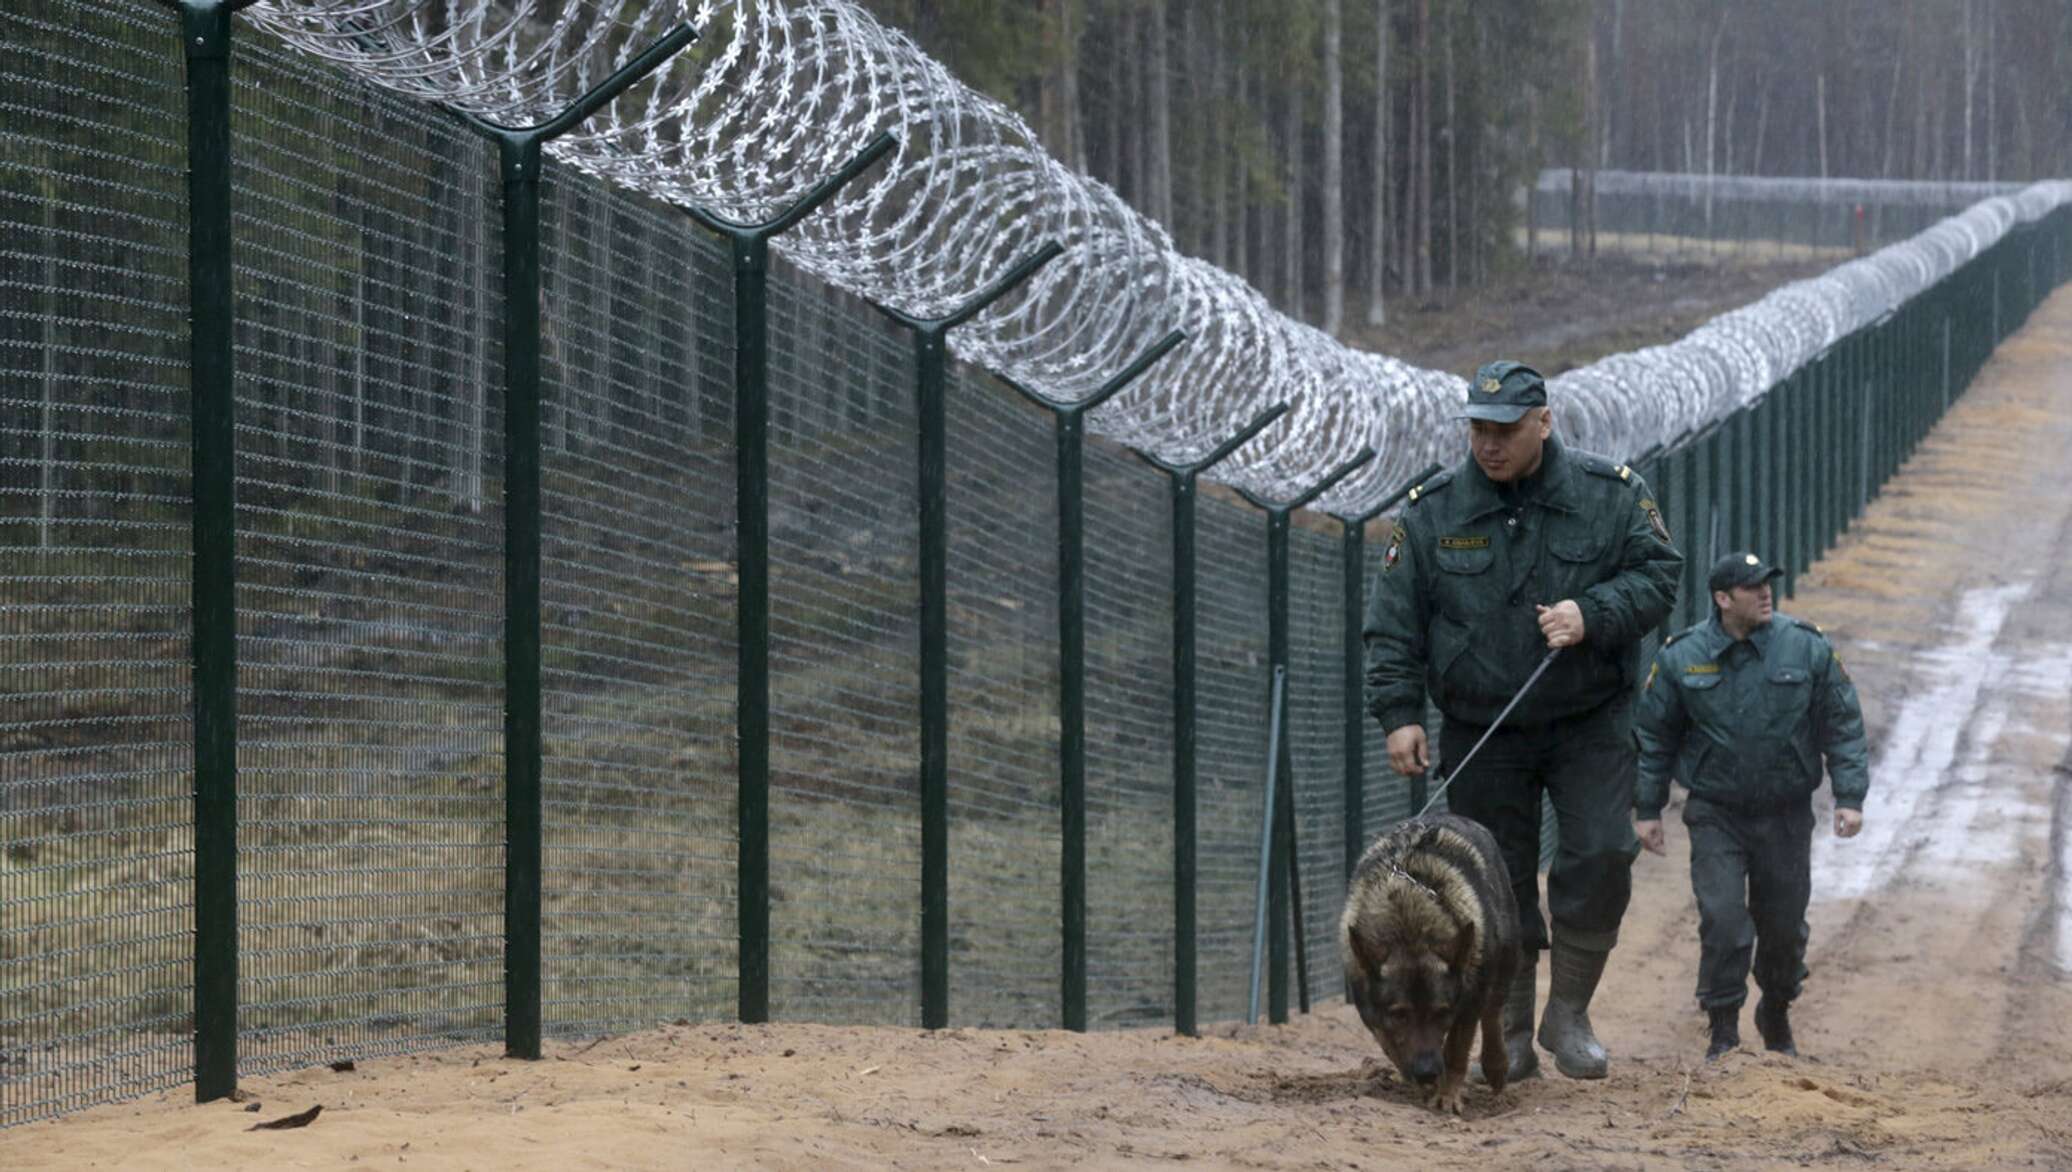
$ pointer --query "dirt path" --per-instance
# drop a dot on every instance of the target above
(1937, 1026)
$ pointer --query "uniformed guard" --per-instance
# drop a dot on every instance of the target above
(1742, 709)
(1522, 547)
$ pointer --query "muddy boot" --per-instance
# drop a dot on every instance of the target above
(1773, 1022)
(1518, 999)
(1565, 1026)
(1726, 1031)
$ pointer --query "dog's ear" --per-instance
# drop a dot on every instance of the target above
(1463, 946)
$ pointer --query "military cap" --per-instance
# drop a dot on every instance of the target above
(1502, 392)
(1740, 569)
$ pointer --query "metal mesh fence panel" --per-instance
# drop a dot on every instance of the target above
(1316, 718)
(1385, 794)
(1005, 936)
(96, 741)
(1129, 741)
(637, 593)
(845, 823)
(370, 836)
(1234, 682)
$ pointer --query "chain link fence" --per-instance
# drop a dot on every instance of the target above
(380, 872)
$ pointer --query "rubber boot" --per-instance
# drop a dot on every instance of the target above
(1726, 1031)
(1773, 1022)
(1565, 1026)
(1518, 1002)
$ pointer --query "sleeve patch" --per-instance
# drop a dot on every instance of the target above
(1655, 522)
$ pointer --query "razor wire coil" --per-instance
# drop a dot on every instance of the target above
(779, 93)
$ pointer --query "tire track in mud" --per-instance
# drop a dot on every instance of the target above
(1926, 946)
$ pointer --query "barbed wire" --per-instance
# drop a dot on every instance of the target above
(778, 94)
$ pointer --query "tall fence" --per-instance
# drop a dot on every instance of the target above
(1690, 215)
(287, 775)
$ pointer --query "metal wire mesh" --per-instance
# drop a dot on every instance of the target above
(1129, 741)
(845, 823)
(638, 631)
(1233, 678)
(1316, 720)
(369, 564)
(1005, 942)
(96, 741)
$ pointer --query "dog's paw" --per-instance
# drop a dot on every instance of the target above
(1445, 1100)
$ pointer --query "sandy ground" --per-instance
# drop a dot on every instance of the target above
(1937, 1027)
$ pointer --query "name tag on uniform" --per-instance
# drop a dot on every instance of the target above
(1702, 669)
(1464, 543)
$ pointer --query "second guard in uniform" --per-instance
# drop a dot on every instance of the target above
(1524, 547)
(1743, 709)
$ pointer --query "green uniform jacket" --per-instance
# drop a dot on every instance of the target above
(1452, 607)
(1745, 723)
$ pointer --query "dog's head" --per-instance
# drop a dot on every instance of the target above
(1409, 989)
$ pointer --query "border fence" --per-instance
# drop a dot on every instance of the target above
(1686, 214)
(389, 667)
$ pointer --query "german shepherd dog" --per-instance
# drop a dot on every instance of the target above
(1430, 940)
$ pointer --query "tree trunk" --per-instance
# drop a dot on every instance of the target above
(1820, 119)
(1899, 57)
(1591, 113)
(1971, 64)
(1158, 145)
(1712, 116)
(1424, 147)
(1453, 174)
(1992, 92)
(1377, 241)
(1762, 125)
(1334, 168)
(1240, 197)
(1291, 223)
(1215, 144)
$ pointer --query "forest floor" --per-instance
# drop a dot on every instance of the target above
(1558, 315)
(1936, 1029)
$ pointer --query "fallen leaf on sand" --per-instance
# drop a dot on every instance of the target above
(300, 1119)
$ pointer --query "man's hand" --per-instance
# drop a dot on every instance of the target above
(1407, 750)
(1562, 623)
(1847, 822)
(1649, 831)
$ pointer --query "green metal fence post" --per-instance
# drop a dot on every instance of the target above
(1285, 890)
(1181, 480)
(1071, 472)
(519, 157)
(931, 379)
(1354, 682)
(750, 249)
(212, 407)
(1781, 453)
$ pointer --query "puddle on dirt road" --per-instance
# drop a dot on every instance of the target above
(1938, 803)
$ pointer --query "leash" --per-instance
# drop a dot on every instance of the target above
(1530, 680)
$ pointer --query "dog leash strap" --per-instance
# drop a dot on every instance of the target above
(1530, 680)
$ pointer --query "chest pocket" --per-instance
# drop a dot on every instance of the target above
(1574, 555)
(1788, 695)
(1463, 578)
(1700, 688)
